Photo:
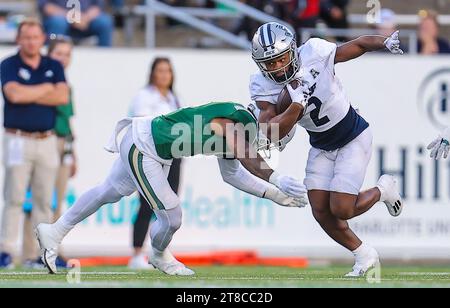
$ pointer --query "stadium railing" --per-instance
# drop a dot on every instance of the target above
(13, 12)
(400, 19)
(192, 17)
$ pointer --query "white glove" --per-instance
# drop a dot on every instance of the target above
(288, 185)
(441, 145)
(392, 43)
(300, 95)
(282, 199)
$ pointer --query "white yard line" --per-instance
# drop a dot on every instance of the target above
(62, 273)
(425, 273)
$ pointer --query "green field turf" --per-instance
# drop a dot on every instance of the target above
(231, 277)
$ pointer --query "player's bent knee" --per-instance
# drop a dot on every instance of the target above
(321, 215)
(176, 218)
(342, 211)
(108, 193)
(171, 219)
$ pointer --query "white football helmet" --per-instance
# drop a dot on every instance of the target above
(271, 41)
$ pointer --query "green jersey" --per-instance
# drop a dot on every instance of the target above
(187, 131)
(63, 115)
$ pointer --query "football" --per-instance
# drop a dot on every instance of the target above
(284, 99)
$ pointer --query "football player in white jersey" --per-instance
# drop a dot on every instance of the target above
(341, 139)
(440, 147)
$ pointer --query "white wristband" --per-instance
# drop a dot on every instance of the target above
(446, 134)
(275, 179)
(270, 193)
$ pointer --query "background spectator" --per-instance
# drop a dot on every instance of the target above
(155, 99)
(334, 13)
(428, 32)
(117, 4)
(247, 25)
(305, 15)
(388, 25)
(93, 22)
(59, 49)
(32, 85)
(282, 9)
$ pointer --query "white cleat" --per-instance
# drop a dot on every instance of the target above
(172, 267)
(390, 195)
(140, 262)
(48, 245)
(363, 265)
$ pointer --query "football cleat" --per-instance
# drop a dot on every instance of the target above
(390, 194)
(171, 267)
(48, 245)
(363, 265)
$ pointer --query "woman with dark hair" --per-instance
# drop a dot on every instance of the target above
(155, 99)
(429, 41)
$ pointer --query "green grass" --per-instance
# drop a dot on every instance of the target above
(231, 277)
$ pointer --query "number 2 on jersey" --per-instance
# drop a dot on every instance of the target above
(316, 112)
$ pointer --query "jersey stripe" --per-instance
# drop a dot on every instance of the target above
(135, 161)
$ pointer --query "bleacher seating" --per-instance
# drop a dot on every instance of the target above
(183, 37)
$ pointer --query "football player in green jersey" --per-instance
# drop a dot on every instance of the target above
(226, 130)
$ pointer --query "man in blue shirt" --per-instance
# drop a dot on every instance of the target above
(61, 18)
(32, 87)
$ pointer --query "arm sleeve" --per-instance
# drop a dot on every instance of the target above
(323, 51)
(59, 76)
(237, 176)
(7, 73)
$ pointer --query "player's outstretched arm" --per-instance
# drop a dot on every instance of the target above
(237, 176)
(247, 155)
(440, 147)
(367, 43)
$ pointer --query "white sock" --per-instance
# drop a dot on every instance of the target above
(382, 193)
(361, 251)
(140, 255)
(165, 255)
(87, 204)
(61, 229)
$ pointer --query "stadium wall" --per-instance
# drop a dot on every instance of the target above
(405, 99)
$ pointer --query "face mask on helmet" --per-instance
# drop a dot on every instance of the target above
(283, 74)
